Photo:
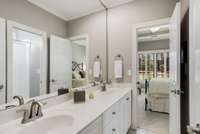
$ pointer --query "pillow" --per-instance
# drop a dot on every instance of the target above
(76, 75)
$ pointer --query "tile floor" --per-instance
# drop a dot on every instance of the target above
(151, 122)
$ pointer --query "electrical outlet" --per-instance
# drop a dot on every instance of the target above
(129, 72)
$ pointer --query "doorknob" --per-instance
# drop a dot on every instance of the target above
(173, 91)
(193, 130)
(1, 87)
(53, 80)
(179, 92)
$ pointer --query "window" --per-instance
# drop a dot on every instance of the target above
(153, 64)
(142, 66)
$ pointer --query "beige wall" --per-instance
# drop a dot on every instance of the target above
(184, 7)
(121, 20)
(154, 45)
(95, 26)
(26, 13)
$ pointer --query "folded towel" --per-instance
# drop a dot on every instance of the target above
(118, 69)
(97, 69)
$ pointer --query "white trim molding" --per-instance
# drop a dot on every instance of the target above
(2, 60)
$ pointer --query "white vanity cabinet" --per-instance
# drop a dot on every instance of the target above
(115, 120)
(94, 128)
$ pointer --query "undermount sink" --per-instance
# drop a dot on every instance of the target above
(53, 122)
(51, 125)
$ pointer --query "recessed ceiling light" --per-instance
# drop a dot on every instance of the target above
(154, 29)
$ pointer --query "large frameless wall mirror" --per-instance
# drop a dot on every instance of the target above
(27, 63)
(39, 64)
(34, 69)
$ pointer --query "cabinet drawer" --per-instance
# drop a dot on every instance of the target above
(111, 114)
(94, 128)
(112, 128)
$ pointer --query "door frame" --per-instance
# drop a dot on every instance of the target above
(3, 51)
(86, 37)
(163, 21)
(10, 26)
(194, 54)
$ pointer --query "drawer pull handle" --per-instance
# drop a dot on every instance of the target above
(127, 98)
(113, 129)
(114, 113)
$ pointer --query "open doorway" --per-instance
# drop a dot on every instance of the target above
(154, 98)
(156, 102)
(153, 78)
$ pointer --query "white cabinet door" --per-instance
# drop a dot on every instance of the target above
(111, 114)
(94, 128)
(2, 60)
(117, 119)
(60, 63)
(175, 70)
(112, 120)
(125, 108)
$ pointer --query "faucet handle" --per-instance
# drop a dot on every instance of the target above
(20, 99)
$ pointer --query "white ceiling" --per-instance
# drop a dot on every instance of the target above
(72, 9)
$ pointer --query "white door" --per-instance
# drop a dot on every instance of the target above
(60, 63)
(194, 63)
(175, 70)
(2, 61)
(21, 67)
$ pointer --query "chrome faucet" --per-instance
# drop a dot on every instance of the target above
(103, 85)
(20, 99)
(33, 114)
(36, 110)
(94, 83)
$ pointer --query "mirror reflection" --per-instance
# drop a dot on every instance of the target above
(26, 64)
(79, 62)
(38, 68)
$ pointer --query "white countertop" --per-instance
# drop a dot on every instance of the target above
(83, 113)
